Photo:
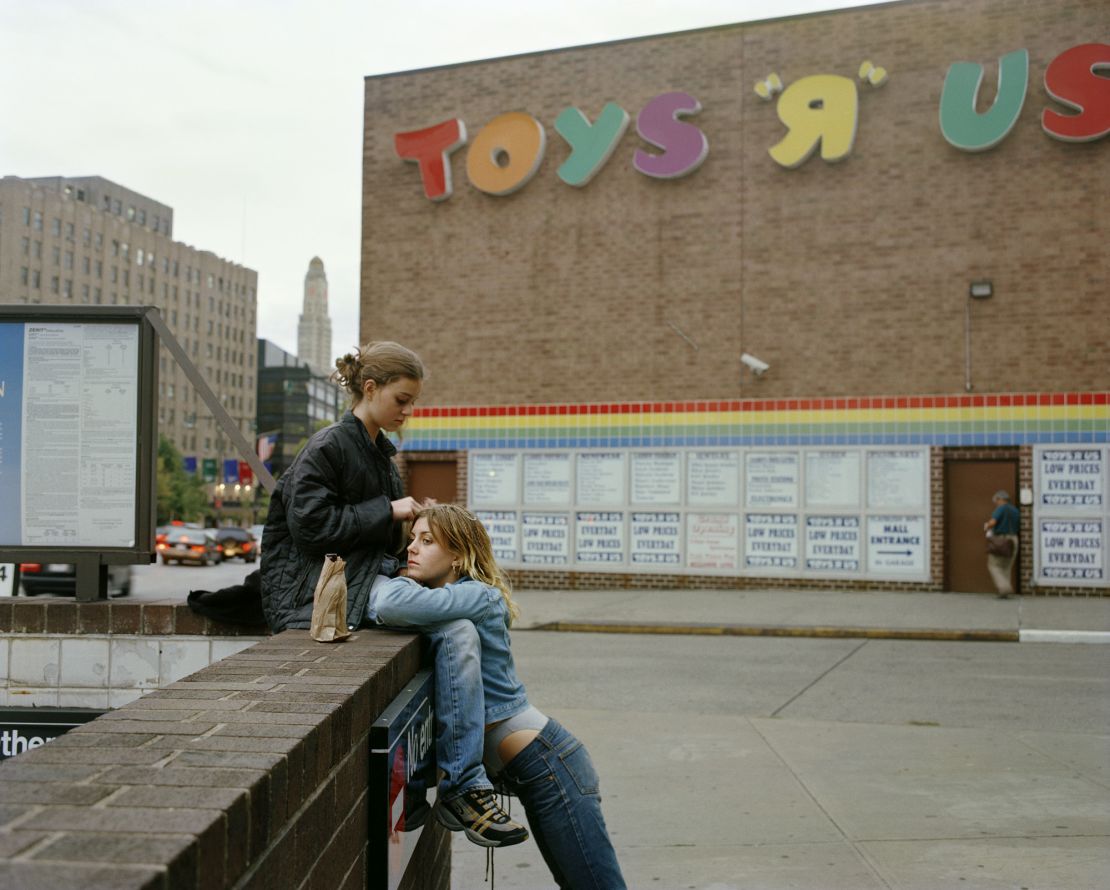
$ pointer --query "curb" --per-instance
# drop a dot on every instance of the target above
(1065, 636)
(747, 630)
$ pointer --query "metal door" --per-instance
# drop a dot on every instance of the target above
(969, 486)
(436, 479)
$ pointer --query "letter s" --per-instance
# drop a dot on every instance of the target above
(685, 146)
(1071, 80)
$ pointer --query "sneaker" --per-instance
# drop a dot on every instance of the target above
(477, 813)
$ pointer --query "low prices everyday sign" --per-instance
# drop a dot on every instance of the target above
(402, 780)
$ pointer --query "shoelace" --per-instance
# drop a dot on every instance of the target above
(491, 873)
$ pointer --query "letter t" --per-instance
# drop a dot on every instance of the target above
(431, 148)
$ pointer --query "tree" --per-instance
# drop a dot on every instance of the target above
(181, 495)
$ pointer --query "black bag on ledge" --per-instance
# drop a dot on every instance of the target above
(238, 604)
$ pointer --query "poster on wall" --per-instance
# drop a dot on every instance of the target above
(712, 540)
(599, 538)
(832, 478)
(713, 479)
(771, 540)
(1072, 477)
(547, 480)
(600, 479)
(1072, 550)
(545, 538)
(896, 479)
(896, 545)
(502, 528)
(493, 479)
(656, 539)
(68, 434)
(656, 477)
(771, 480)
(833, 543)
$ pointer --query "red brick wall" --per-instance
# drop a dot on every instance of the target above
(848, 278)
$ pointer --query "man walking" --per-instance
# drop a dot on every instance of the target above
(1004, 525)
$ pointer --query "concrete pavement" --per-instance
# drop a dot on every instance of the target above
(753, 762)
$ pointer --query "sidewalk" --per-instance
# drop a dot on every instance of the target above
(819, 613)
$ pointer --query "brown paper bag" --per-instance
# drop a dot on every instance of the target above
(329, 602)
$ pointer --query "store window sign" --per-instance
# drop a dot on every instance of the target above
(820, 112)
(1071, 477)
(1072, 550)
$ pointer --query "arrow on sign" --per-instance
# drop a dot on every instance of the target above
(894, 552)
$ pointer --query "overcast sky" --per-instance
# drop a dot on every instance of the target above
(245, 116)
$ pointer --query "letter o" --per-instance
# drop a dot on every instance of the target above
(506, 153)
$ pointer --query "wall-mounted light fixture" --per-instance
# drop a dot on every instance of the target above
(982, 289)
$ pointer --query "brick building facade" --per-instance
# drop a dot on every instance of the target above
(611, 317)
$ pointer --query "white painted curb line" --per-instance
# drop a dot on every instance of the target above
(1064, 636)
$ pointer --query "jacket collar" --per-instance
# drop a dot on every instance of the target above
(383, 443)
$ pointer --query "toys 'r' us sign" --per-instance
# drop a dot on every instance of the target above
(820, 113)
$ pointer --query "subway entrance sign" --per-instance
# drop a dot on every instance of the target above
(24, 729)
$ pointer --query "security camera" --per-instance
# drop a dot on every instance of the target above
(759, 368)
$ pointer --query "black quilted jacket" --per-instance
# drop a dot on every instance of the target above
(334, 498)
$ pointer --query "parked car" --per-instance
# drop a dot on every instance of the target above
(60, 579)
(196, 545)
(237, 542)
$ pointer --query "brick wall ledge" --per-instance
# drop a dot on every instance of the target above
(62, 615)
(250, 773)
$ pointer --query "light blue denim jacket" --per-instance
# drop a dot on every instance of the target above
(403, 602)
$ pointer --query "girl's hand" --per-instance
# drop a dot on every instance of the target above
(404, 509)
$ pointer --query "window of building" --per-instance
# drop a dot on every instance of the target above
(142, 217)
(86, 265)
(55, 283)
(131, 212)
(24, 275)
(67, 287)
(26, 216)
(69, 259)
(124, 251)
(36, 279)
(25, 246)
(96, 295)
(117, 207)
(37, 221)
(80, 194)
(211, 280)
(55, 226)
(139, 256)
(127, 278)
(84, 293)
(86, 236)
(38, 250)
(114, 277)
(56, 255)
(69, 231)
(99, 241)
(99, 268)
(108, 202)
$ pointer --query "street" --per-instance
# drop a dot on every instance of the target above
(825, 764)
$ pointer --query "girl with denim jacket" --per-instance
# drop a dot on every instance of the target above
(452, 576)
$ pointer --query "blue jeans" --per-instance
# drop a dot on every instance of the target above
(555, 779)
(460, 707)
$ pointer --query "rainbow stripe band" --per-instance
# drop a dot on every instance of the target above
(1006, 419)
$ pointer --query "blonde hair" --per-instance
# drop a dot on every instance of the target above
(462, 534)
(382, 362)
